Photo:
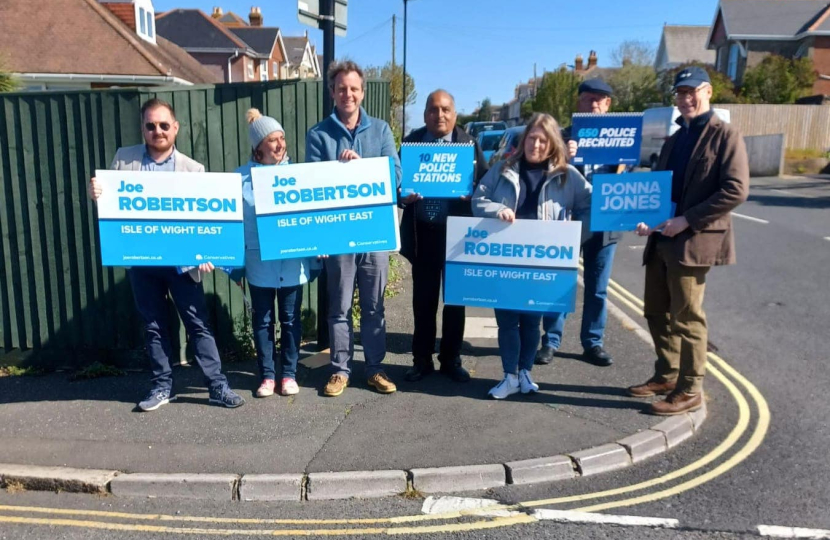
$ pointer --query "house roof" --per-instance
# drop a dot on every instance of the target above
(231, 18)
(259, 38)
(295, 49)
(193, 29)
(83, 37)
(776, 19)
(685, 44)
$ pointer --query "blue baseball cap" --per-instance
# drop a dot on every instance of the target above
(596, 86)
(692, 76)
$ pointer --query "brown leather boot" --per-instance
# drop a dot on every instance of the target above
(651, 388)
(677, 402)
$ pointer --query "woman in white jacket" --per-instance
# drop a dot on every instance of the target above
(534, 183)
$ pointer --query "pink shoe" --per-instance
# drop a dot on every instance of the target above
(289, 387)
(266, 388)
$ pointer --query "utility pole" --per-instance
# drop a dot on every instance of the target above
(327, 26)
(394, 20)
(403, 81)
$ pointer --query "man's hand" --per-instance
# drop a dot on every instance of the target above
(94, 189)
(206, 268)
(507, 215)
(348, 155)
(572, 147)
(642, 229)
(409, 199)
(672, 227)
(321, 257)
(466, 198)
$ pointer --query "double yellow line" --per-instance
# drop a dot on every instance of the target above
(722, 371)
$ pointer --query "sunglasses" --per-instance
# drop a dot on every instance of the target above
(151, 126)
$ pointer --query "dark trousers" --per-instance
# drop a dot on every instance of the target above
(150, 290)
(289, 305)
(427, 273)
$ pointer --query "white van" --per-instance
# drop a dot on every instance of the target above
(658, 125)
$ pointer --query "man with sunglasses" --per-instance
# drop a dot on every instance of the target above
(710, 178)
(151, 285)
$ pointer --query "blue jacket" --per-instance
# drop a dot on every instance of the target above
(274, 274)
(373, 138)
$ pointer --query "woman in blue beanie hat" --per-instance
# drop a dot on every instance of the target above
(282, 280)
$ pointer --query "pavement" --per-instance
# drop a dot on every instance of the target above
(433, 436)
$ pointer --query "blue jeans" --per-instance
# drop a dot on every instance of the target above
(150, 288)
(518, 336)
(289, 312)
(598, 261)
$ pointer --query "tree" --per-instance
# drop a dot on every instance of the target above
(635, 88)
(526, 110)
(394, 74)
(639, 53)
(557, 95)
(723, 89)
(485, 112)
(778, 80)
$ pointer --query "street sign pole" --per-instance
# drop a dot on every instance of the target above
(327, 26)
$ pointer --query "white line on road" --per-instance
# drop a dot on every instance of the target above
(750, 218)
(791, 532)
(793, 194)
(443, 505)
(569, 516)
(481, 327)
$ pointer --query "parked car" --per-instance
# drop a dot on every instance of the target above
(488, 141)
(658, 125)
(507, 145)
(474, 128)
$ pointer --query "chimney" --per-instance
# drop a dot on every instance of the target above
(217, 13)
(255, 18)
(592, 59)
(125, 12)
(578, 63)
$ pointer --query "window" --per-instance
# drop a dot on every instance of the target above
(275, 68)
(263, 70)
(142, 21)
(732, 69)
(150, 24)
(250, 64)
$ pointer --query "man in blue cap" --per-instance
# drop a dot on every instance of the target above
(597, 252)
(710, 178)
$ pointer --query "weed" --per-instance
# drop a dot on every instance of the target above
(14, 486)
(96, 370)
(412, 493)
(241, 347)
(16, 371)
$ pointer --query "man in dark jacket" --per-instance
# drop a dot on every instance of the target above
(710, 178)
(423, 243)
(597, 252)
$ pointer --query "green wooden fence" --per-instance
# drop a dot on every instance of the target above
(58, 305)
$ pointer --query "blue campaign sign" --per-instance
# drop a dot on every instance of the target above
(527, 265)
(435, 170)
(620, 201)
(170, 218)
(607, 139)
(326, 208)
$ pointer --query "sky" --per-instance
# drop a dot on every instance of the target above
(478, 48)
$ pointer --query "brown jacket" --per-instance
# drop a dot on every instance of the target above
(716, 182)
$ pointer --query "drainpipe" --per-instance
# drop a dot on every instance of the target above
(235, 54)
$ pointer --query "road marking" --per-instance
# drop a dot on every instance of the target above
(441, 505)
(750, 218)
(791, 532)
(791, 194)
(569, 516)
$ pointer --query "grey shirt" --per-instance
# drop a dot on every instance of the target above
(168, 165)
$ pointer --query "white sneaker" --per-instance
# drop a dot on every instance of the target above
(526, 383)
(507, 387)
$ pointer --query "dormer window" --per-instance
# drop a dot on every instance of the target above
(145, 20)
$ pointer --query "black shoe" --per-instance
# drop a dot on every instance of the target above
(455, 372)
(596, 355)
(544, 356)
(419, 370)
